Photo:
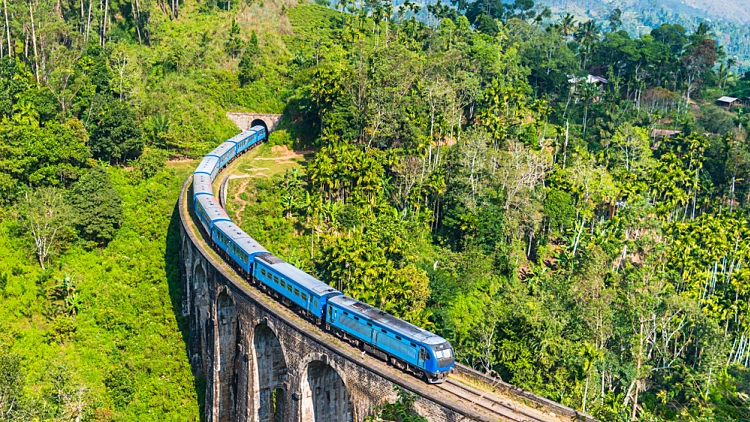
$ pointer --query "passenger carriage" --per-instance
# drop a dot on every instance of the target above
(209, 165)
(293, 284)
(224, 152)
(260, 133)
(237, 245)
(244, 140)
(210, 212)
(202, 185)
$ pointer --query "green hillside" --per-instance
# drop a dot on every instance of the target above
(565, 202)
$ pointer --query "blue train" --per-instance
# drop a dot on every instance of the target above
(403, 345)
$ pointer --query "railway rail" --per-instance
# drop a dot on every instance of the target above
(503, 410)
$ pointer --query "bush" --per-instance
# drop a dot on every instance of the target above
(97, 206)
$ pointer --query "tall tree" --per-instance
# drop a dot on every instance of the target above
(46, 216)
(98, 213)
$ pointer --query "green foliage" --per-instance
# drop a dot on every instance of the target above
(233, 45)
(84, 329)
(117, 136)
(248, 69)
(559, 210)
(97, 206)
(11, 387)
(34, 156)
(400, 411)
(150, 163)
(46, 219)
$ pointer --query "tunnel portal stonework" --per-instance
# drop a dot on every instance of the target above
(260, 362)
(245, 121)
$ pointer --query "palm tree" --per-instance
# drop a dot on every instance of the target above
(566, 25)
(587, 35)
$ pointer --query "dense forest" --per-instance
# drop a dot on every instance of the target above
(728, 19)
(561, 200)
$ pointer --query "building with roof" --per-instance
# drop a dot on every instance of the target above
(728, 102)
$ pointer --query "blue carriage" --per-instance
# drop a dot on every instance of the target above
(295, 285)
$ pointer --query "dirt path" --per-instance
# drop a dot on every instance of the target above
(283, 158)
(238, 197)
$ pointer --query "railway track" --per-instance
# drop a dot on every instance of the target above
(497, 408)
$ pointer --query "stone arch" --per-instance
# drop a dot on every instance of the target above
(227, 326)
(324, 394)
(271, 375)
(259, 122)
(201, 309)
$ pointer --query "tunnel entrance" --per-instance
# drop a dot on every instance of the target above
(259, 122)
(271, 372)
(325, 397)
(228, 352)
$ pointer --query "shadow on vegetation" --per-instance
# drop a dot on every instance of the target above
(172, 269)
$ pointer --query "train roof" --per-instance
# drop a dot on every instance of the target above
(222, 149)
(202, 184)
(207, 165)
(290, 271)
(242, 239)
(212, 208)
(257, 128)
(389, 321)
(241, 136)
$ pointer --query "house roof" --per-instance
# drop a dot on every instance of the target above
(664, 133)
(727, 100)
(589, 79)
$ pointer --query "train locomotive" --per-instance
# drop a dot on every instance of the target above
(403, 345)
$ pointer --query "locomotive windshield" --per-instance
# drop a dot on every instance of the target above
(444, 355)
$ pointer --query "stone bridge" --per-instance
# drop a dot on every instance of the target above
(261, 362)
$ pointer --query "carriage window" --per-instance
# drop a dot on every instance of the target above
(282, 282)
(304, 297)
(296, 292)
(346, 313)
(289, 287)
(263, 271)
(357, 318)
(276, 279)
(370, 324)
(413, 345)
(383, 331)
(398, 338)
(315, 303)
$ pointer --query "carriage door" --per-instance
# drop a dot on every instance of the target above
(332, 314)
(422, 357)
